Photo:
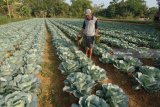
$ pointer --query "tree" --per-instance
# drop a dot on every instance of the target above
(158, 1)
(151, 12)
(8, 2)
(79, 6)
(136, 6)
(126, 9)
(52, 7)
(11, 5)
(3, 7)
(25, 11)
(157, 15)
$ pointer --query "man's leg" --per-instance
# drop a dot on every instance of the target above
(90, 53)
(87, 45)
(87, 50)
(91, 46)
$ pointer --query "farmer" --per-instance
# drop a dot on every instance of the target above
(89, 30)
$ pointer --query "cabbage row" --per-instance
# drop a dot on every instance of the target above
(124, 63)
(12, 35)
(134, 34)
(82, 74)
(118, 39)
(109, 95)
(18, 81)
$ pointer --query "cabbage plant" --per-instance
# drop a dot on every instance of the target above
(91, 101)
(69, 66)
(79, 84)
(113, 95)
(96, 73)
(149, 78)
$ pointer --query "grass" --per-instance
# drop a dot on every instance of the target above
(134, 21)
(5, 19)
(46, 73)
(129, 20)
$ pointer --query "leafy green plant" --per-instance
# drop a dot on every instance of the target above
(113, 95)
(91, 101)
(79, 84)
(18, 99)
(149, 78)
(95, 72)
(69, 66)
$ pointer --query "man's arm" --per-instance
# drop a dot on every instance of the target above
(81, 33)
(96, 28)
(83, 28)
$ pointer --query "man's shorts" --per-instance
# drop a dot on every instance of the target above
(88, 41)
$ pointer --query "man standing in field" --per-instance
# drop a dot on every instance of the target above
(89, 30)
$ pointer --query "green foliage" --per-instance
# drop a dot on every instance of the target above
(69, 66)
(113, 95)
(96, 73)
(149, 78)
(48, 8)
(5, 19)
(78, 7)
(25, 11)
(151, 12)
(78, 84)
(91, 101)
(128, 9)
(59, 8)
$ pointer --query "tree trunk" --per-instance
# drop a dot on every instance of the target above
(9, 13)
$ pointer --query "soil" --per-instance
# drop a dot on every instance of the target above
(51, 79)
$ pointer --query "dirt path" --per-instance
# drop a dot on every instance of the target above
(139, 98)
(51, 80)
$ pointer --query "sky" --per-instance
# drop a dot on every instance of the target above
(150, 3)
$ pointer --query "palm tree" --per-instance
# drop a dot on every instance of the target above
(157, 16)
(158, 4)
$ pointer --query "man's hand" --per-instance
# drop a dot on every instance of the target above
(97, 35)
(81, 33)
(97, 32)
(97, 39)
(78, 36)
(111, 52)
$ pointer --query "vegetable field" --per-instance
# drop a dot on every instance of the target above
(41, 65)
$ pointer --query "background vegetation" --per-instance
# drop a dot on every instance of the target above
(117, 9)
